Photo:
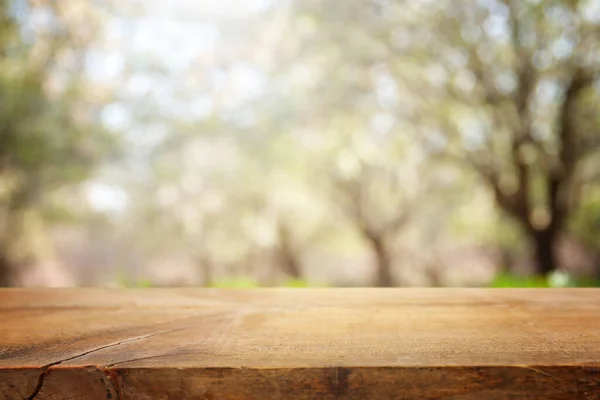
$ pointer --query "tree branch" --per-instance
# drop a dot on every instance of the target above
(349, 200)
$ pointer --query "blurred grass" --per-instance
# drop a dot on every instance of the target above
(558, 279)
(124, 281)
(505, 280)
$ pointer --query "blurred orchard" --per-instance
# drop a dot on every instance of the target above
(299, 143)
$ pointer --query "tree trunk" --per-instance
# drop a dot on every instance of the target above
(6, 272)
(545, 243)
(206, 267)
(383, 265)
(290, 263)
(434, 275)
(287, 253)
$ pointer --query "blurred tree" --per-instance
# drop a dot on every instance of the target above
(48, 135)
(376, 197)
(241, 144)
(297, 224)
(287, 252)
(586, 221)
(508, 91)
(347, 111)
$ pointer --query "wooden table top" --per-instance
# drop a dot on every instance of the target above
(300, 344)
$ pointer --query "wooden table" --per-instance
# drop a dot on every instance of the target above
(300, 344)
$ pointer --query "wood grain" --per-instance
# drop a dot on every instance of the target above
(300, 344)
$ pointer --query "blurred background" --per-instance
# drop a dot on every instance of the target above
(299, 143)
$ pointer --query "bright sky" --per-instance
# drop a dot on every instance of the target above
(172, 36)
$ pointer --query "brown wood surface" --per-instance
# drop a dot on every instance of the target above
(300, 344)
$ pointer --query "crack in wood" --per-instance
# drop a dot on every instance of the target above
(46, 368)
(109, 375)
(40, 382)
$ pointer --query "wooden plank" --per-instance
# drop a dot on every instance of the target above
(300, 344)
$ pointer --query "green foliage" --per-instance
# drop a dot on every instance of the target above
(39, 136)
(50, 133)
(124, 281)
(300, 283)
(506, 280)
(565, 279)
(60, 213)
(586, 222)
(587, 282)
(557, 279)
